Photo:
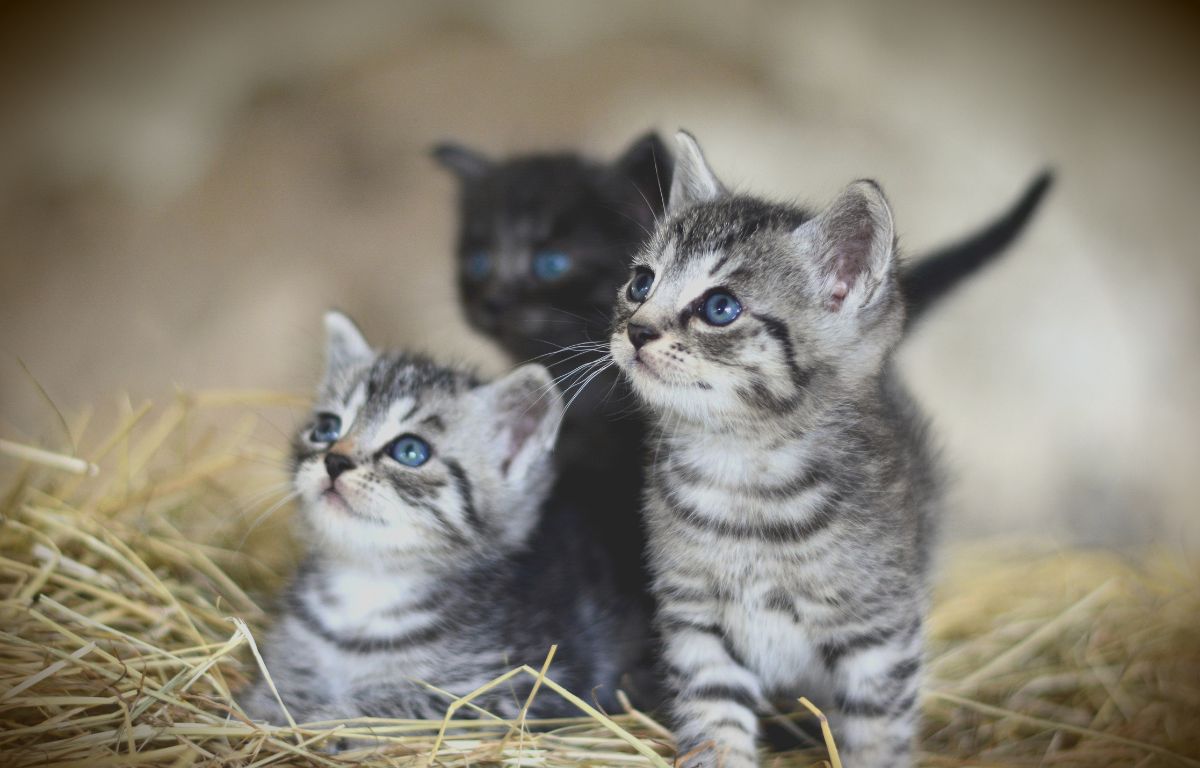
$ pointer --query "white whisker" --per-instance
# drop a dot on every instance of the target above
(579, 388)
(261, 518)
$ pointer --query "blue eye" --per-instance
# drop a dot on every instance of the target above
(551, 265)
(478, 266)
(639, 286)
(327, 429)
(720, 308)
(410, 450)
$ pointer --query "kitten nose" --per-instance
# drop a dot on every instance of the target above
(337, 463)
(495, 304)
(640, 334)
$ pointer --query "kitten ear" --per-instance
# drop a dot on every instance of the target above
(465, 163)
(853, 244)
(526, 408)
(693, 180)
(647, 163)
(344, 343)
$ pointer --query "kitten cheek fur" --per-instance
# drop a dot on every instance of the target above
(675, 382)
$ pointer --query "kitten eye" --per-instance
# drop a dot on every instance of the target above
(639, 286)
(327, 429)
(720, 308)
(478, 266)
(551, 265)
(410, 450)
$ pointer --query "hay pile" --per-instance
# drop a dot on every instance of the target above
(131, 584)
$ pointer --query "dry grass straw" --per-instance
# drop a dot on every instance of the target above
(129, 599)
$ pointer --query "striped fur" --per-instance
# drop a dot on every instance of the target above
(446, 574)
(791, 496)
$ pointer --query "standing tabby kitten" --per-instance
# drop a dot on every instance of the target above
(421, 492)
(791, 499)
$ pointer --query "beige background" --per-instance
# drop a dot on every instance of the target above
(183, 192)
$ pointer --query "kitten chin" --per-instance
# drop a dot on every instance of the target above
(664, 386)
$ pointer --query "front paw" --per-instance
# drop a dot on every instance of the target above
(263, 707)
(260, 705)
(711, 754)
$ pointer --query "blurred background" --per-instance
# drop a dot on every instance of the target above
(184, 188)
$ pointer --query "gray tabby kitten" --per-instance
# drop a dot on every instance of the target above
(421, 492)
(792, 497)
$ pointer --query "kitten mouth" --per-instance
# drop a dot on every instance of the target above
(643, 364)
(663, 370)
(334, 498)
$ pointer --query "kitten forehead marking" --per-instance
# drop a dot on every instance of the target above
(399, 413)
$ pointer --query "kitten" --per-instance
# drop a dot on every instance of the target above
(545, 241)
(429, 558)
(792, 497)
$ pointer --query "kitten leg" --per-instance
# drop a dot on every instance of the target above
(875, 712)
(386, 700)
(258, 703)
(401, 699)
(303, 704)
(714, 697)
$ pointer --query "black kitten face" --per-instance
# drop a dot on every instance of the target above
(540, 253)
(545, 240)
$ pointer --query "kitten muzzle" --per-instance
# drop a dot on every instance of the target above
(336, 464)
(640, 335)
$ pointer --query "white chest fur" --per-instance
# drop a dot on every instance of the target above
(366, 602)
(732, 462)
(770, 606)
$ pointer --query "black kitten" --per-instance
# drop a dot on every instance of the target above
(543, 245)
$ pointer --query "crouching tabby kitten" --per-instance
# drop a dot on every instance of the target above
(429, 560)
(791, 498)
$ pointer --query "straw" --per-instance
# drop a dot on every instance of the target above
(129, 615)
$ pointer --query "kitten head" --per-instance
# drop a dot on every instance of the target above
(404, 459)
(743, 309)
(544, 240)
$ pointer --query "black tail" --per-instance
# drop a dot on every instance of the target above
(929, 280)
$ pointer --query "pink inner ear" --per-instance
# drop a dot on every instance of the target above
(518, 434)
(847, 261)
